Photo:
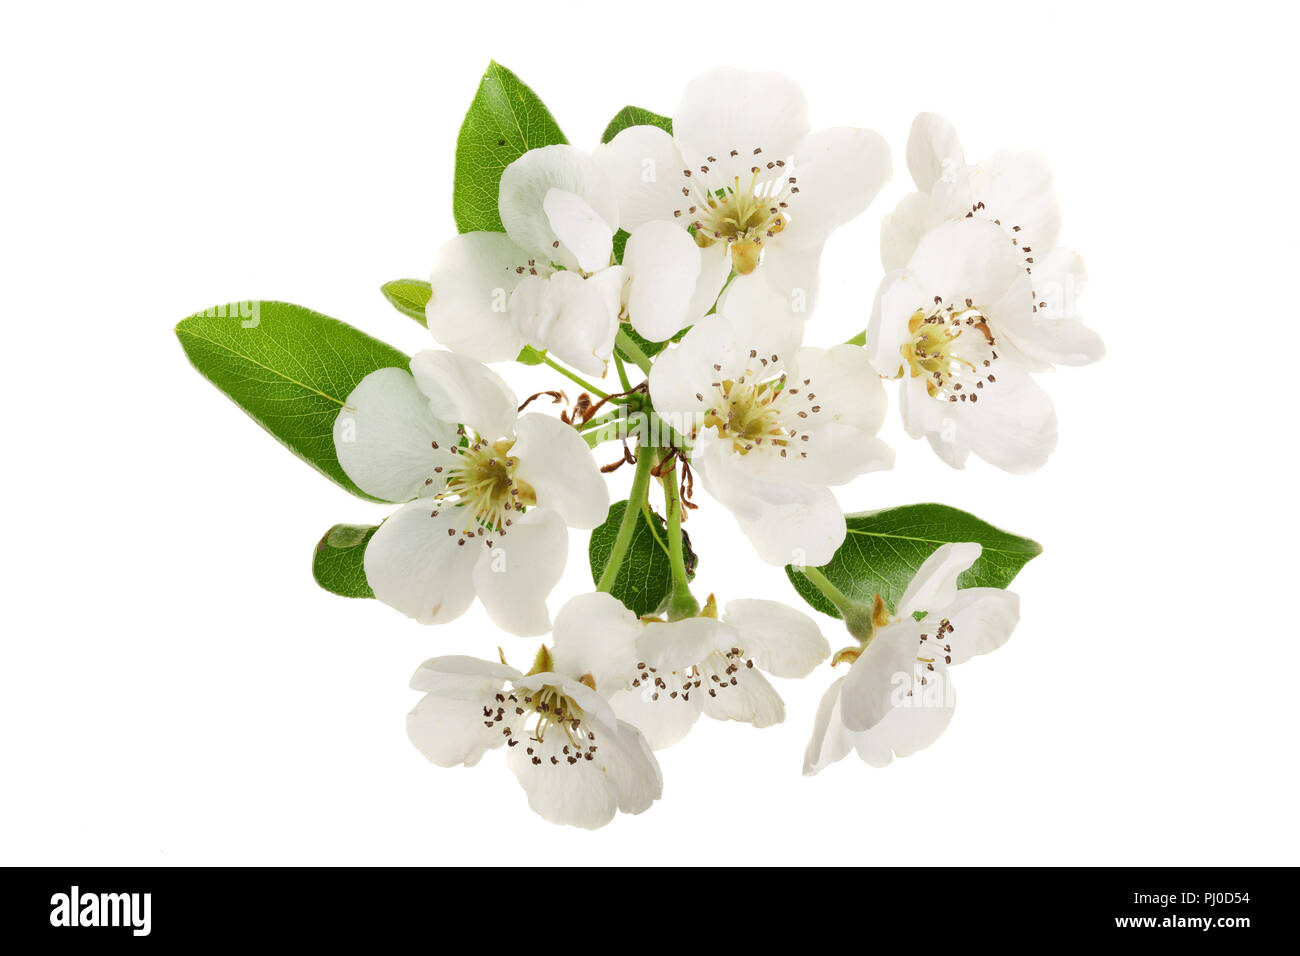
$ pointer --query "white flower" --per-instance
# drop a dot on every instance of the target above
(702, 665)
(548, 280)
(578, 763)
(492, 495)
(896, 698)
(1012, 189)
(939, 324)
(772, 424)
(742, 168)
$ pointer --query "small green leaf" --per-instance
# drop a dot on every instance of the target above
(884, 549)
(635, 116)
(530, 356)
(645, 581)
(338, 565)
(504, 121)
(409, 297)
(289, 368)
(651, 349)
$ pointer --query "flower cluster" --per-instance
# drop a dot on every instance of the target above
(671, 274)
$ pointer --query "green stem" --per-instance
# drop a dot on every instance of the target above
(574, 377)
(610, 431)
(857, 616)
(683, 603)
(622, 373)
(633, 351)
(635, 498)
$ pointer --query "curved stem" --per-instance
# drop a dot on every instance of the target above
(599, 420)
(622, 373)
(574, 377)
(633, 351)
(858, 617)
(635, 498)
(683, 603)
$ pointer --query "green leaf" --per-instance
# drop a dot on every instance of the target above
(409, 297)
(505, 120)
(289, 368)
(635, 116)
(337, 565)
(645, 581)
(884, 549)
(651, 349)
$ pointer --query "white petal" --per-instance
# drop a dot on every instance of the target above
(671, 646)
(450, 730)
(384, 435)
(909, 728)
(1013, 427)
(461, 677)
(967, 259)
(902, 229)
(580, 228)
(580, 794)
(574, 318)
(884, 671)
(464, 391)
(663, 267)
(1015, 188)
(1054, 332)
(782, 641)
(899, 296)
(724, 110)
(414, 565)
(645, 168)
(793, 272)
(934, 585)
(559, 465)
(787, 523)
(847, 388)
(595, 634)
(524, 185)
(830, 741)
(515, 572)
(763, 318)
(472, 278)
(715, 269)
(840, 170)
(751, 699)
(638, 781)
(684, 370)
(933, 151)
(664, 718)
(982, 621)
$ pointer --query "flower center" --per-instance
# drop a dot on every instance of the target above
(482, 487)
(715, 674)
(547, 722)
(952, 349)
(757, 408)
(741, 213)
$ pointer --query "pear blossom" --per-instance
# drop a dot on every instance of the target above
(578, 763)
(706, 665)
(897, 698)
(939, 325)
(1012, 189)
(490, 492)
(549, 280)
(744, 172)
(771, 425)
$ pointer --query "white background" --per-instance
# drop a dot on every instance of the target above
(174, 688)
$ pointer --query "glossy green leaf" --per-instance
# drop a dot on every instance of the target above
(409, 297)
(884, 549)
(505, 120)
(645, 581)
(635, 116)
(338, 564)
(289, 368)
